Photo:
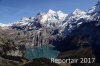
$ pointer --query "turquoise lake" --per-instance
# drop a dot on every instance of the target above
(45, 51)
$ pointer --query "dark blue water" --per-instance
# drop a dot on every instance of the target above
(46, 51)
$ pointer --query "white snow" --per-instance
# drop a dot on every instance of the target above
(95, 8)
(53, 17)
(79, 12)
(51, 12)
(24, 21)
(59, 19)
(61, 15)
(92, 9)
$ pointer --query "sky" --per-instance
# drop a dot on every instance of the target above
(13, 10)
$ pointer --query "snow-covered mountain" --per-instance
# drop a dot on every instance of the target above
(95, 8)
(57, 19)
(52, 27)
(54, 20)
(55, 23)
(75, 19)
(53, 17)
(24, 21)
(95, 11)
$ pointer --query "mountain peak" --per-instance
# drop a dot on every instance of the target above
(61, 15)
(51, 11)
(53, 16)
(24, 21)
(79, 12)
(95, 8)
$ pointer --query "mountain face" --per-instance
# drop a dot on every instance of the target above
(95, 11)
(95, 8)
(53, 27)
